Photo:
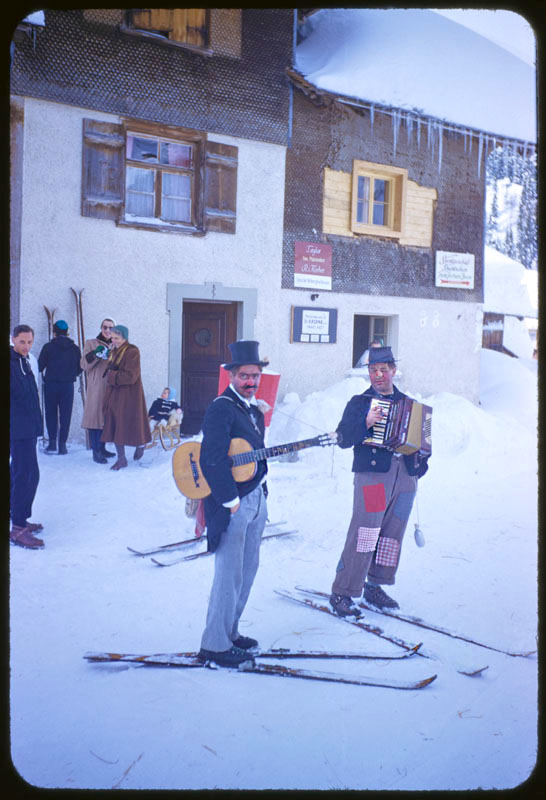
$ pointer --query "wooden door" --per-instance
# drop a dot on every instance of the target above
(207, 329)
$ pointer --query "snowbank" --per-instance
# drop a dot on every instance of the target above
(80, 726)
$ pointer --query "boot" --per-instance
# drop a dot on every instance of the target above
(375, 596)
(245, 643)
(138, 452)
(34, 526)
(106, 453)
(120, 463)
(24, 538)
(343, 606)
(227, 658)
(62, 450)
(51, 447)
(98, 457)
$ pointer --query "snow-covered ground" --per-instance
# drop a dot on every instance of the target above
(78, 725)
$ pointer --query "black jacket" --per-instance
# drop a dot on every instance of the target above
(60, 358)
(24, 409)
(162, 409)
(367, 458)
(226, 418)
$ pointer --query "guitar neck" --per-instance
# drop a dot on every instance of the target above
(271, 452)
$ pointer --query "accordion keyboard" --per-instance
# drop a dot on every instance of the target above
(379, 429)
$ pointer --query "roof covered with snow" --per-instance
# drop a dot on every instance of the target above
(421, 61)
(509, 288)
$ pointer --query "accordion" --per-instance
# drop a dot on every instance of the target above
(405, 428)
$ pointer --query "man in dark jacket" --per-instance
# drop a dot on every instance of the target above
(385, 484)
(235, 513)
(60, 359)
(25, 427)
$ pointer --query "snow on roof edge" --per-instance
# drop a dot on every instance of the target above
(307, 86)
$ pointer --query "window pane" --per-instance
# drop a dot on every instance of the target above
(141, 205)
(140, 180)
(379, 214)
(176, 210)
(176, 197)
(381, 190)
(139, 149)
(178, 155)
(139, 184)
(363, 188)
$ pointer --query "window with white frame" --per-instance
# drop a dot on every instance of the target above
(378, 199)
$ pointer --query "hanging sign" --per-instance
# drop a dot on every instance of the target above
(313, 325)
(312, 265)
(454, 270)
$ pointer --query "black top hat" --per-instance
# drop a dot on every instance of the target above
(244, 352)
(380, 355)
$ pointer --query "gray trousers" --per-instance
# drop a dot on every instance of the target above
(382, 503)
(236, 562)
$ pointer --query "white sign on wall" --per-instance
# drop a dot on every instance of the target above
(455, 270)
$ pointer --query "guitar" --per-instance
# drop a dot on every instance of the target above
(191, 482)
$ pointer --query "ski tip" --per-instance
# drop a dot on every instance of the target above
(426, 681)
(473, 673)
(158, 563)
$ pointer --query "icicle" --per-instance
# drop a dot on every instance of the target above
(395, 127)
(372, 109)
(418, 122)
(409, 124)
(480, 148)
(440, 145)
(470, 139)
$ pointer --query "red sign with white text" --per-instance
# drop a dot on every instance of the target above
(312, 265)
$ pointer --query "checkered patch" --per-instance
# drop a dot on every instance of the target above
(367, 539)
(374, 498)
(387, 552)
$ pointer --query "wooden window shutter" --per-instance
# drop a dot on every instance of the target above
(220, 193)
(102, 169)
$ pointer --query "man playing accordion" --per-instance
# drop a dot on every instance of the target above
(385, 484)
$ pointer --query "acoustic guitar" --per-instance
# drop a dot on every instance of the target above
(191, 481)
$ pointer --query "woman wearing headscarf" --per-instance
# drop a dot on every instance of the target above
(94, 362)
(125, 417)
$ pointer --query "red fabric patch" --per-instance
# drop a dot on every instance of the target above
(375, 498)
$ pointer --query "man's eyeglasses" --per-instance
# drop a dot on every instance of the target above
(107, 327)
(248, 375)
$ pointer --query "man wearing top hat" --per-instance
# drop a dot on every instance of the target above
(385, 484)
(235, 513)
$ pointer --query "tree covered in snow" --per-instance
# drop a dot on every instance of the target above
(512, 204)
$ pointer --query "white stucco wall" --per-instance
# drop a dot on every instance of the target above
(125, 272)
(437, 343)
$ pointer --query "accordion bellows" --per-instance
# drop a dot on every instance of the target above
(406, 426)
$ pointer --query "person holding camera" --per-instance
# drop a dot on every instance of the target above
(93, 362)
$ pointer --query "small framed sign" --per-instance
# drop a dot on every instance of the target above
(454, 270)
(313, 325)
(312, 265)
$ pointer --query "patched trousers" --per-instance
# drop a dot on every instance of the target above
(382, 503)
(236, 561)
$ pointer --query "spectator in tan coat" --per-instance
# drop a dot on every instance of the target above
(94, 361)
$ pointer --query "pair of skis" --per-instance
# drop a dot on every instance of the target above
(417, 622)
(281, 670)
(168, 548)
